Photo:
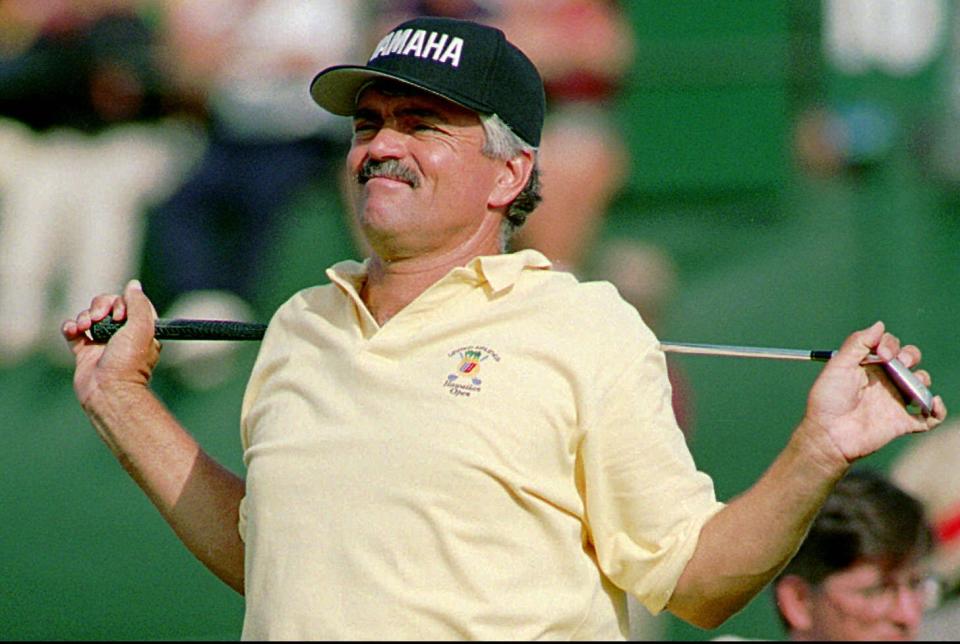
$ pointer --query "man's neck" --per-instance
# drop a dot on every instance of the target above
(397, 275)
(392, 285)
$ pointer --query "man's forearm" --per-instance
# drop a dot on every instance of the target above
(197, 497)
(746, 544)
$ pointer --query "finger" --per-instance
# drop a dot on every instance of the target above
(83, 321)
(137, 301)
(100, 306)
(888, 347)
(105, 304)
(924, 377)
(910, 356)
(119, 310)
(937, 414)
(76, 339)
(142, 315)
(68, 329)
(859, 345)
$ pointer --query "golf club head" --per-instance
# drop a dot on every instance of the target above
(914, 391)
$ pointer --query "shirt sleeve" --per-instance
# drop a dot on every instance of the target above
(645, 500)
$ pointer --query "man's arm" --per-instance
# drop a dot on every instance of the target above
(851, 413)
(197, 497)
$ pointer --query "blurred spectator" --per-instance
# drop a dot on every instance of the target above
(83, 151)
(861, 572)
(928, 470)
(849, 137)
(244, 66)
(388, 13)
(583, 49)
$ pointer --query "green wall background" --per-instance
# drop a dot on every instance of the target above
(767, 254)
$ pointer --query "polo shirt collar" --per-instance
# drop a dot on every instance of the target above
(502, 271)
(499, 271)
(349, 275)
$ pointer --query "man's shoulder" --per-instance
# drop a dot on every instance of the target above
(308, 297)
(321, 299)
(560, 282)
(597, 301)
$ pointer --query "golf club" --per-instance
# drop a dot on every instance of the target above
(912, 389)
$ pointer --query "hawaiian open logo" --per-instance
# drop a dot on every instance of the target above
(465, 379)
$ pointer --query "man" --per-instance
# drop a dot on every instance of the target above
(861, 572)
(451, 442)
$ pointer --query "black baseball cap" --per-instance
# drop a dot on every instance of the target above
(468, 63)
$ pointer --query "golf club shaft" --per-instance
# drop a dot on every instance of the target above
(734, 351)
(913, 390)
(187, 329)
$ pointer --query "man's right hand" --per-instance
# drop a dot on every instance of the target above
(131, 354)
(198, 497)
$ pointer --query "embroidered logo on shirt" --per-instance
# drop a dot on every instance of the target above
(465, 379)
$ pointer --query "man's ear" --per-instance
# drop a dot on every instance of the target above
(513, 176)
(794, 601)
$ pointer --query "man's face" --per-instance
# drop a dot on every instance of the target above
(867, 602)
(422, 182)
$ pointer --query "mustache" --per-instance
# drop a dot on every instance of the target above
(391, 169)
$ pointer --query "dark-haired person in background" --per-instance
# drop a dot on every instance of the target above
(861, 573)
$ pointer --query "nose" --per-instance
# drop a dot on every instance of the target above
(387, 143)
(908, 609)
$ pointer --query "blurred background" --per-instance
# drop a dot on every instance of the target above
(771, 173)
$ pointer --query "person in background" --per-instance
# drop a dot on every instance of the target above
(928, 470)
(240, 67)
(584, 49)
(88, 142)
(862, 571)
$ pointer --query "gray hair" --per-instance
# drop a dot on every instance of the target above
(502, 143)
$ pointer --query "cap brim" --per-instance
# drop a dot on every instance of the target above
(337, 89)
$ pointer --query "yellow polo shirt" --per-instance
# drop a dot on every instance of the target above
(500, 460)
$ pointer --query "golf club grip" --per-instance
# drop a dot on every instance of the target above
(185, 329)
